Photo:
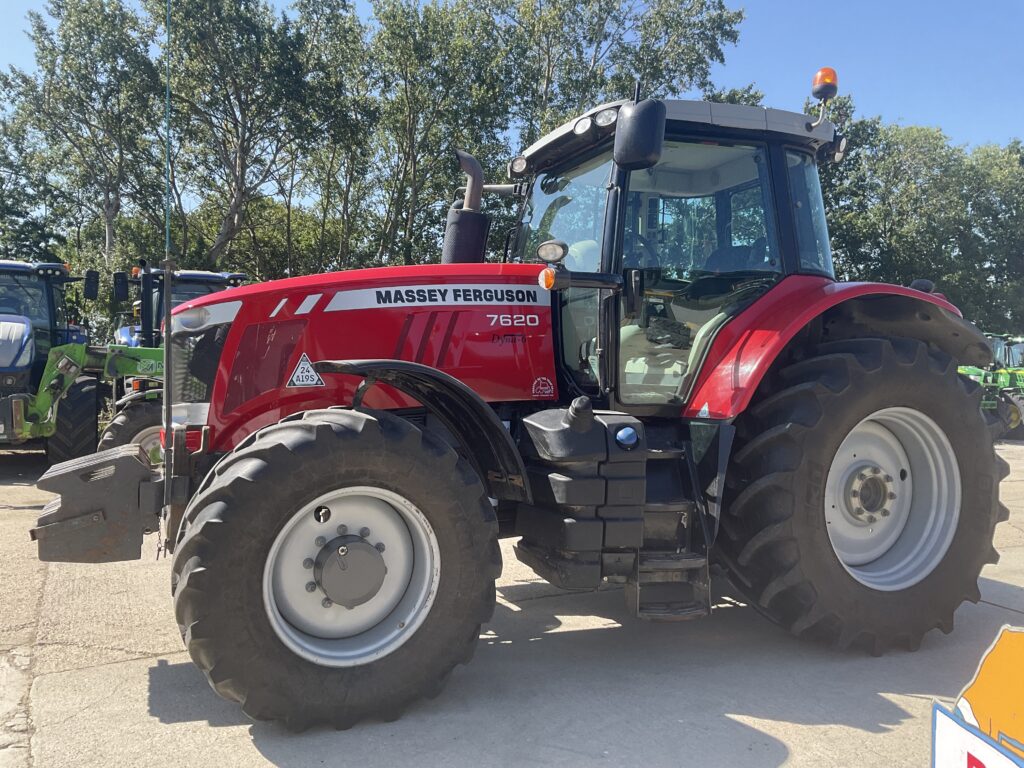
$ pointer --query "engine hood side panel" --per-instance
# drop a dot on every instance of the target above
(487, 325)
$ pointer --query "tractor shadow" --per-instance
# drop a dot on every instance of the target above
(572, 679)
(21, 468)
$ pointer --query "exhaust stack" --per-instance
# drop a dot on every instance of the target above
(465, 233)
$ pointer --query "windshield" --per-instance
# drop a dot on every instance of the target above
(1016, 355)
(998, 351)
(25, 294)
(569, 206)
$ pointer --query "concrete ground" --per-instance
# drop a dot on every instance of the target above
(92, 673)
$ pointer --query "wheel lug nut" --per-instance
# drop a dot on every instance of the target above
(862, 477)
(876, 471)
(379, 546)
(311, 586)
(326, 602)
(855, 494)
(884, 513)
(320, 541)
(858, 511)
(364, 532)
(342, 551)
(871, 518)
(888, 478)
(342, 529)
(307, 563)
(891, 495)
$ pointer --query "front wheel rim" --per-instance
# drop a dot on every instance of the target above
(892, 499)
(365, 520)
(149, 439)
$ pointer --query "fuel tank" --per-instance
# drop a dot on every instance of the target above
(488, 325)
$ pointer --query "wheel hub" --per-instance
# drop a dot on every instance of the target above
(349, 570)
(870, 492)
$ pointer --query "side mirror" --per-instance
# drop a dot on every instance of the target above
(91, 286)
(120, 287)
(639, 135)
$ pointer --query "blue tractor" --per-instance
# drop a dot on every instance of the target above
(35, 318)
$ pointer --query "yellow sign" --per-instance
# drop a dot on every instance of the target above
(987, 729)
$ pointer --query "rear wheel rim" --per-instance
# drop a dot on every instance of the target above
(365, 519)
(892, 499)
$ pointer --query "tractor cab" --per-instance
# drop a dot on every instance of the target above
(34, 317)
(726, 207)
(187, 285)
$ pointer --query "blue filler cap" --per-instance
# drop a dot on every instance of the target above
(627, 438)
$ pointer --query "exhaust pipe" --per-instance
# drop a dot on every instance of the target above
(465, 233)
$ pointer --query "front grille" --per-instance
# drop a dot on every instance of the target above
(194, 363)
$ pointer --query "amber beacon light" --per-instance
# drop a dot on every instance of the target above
(825, 84)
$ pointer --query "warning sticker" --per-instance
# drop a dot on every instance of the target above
(304, 374)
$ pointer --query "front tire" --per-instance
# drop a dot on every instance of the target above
(345, 481)
(77, 423)
(139, 422)
(863, 427)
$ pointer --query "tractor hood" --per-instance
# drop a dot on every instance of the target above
(16, 344)
(255, 350)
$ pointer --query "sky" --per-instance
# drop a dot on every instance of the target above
(952, 64)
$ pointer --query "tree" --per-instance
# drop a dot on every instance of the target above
(25, 229)
(238, 93)
(91, 102)
(573, 54)
(444, 77)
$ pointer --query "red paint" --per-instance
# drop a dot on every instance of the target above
(500, 364)
(973, 762)
(746, 347)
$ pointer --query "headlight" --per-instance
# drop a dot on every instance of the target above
(26, 355)
(198, 318)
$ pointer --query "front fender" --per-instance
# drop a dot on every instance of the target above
(483, 437)
(746, 348)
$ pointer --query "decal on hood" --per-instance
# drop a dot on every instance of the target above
(469, 294)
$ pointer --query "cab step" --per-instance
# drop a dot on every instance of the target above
(670, 586)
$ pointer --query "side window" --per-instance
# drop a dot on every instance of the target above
(59, 306)
(809, 214)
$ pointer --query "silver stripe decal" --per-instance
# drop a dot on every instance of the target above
(308, 303)
(279, 307)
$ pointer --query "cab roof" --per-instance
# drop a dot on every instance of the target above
(45, 267)
(562, 141)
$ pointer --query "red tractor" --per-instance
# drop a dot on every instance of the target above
(662, 373)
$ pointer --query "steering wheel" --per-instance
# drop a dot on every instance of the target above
(649, 260)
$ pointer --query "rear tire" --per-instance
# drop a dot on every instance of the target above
(77, 423)
(138, 422)
(798, 547)
(242, 620)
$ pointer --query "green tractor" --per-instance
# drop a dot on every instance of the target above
(1003, 382)
(50, 375)
(139, 397)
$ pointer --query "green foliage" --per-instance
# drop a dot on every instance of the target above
(905, 203)
(316, 140)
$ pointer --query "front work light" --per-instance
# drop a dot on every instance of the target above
(583, 125)
(552, 251)
(606, 117)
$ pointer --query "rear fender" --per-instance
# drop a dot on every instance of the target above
(480, 433)
(802, 309)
